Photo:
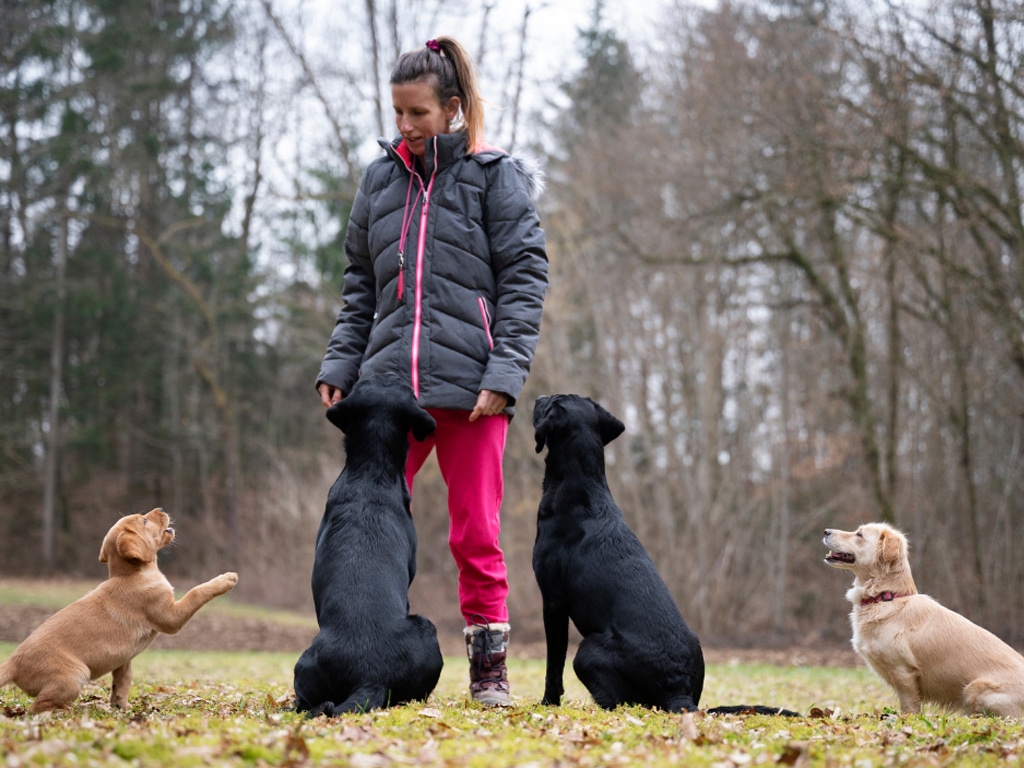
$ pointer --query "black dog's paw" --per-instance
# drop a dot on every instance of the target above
(323, 709)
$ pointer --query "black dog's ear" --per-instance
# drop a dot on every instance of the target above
(608, 426)
(541, 424)
(338, 414)
(541, 435)
(422, 423)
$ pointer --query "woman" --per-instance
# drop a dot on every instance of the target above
(445, 283)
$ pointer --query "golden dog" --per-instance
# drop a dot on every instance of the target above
(103, 631)
(925, 651)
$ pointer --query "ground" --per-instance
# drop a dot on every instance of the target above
(211, 630)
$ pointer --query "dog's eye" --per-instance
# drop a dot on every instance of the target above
(860, 535)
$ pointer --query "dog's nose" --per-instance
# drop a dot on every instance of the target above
(828, 532)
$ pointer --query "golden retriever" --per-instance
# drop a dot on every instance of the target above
(103, 631)
(925, 651)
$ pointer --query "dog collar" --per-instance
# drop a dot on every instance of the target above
(884, 597)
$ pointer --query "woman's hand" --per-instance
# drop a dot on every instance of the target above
(329, 395)
(488, 403)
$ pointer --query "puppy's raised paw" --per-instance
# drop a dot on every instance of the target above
(225, 582)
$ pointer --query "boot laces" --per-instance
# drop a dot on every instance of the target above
(485, 659)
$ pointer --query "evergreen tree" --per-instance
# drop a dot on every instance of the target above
(604, 96)
(114, 221)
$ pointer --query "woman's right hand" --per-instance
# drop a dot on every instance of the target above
(329, 395)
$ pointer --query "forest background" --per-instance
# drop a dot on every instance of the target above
(786, 242)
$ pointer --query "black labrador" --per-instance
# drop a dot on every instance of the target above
(370, 652)
(591, 568)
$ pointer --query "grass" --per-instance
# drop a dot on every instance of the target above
(233, 709)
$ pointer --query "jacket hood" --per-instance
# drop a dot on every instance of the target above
(529, 166)
(531, 170)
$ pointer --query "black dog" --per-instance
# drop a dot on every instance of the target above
(591, 568)
(370, 652)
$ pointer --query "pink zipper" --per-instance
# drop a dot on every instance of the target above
(420, 258)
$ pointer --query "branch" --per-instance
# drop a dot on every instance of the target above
(343, 145)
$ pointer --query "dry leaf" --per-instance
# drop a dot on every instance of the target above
(688, 727)
(794, 754)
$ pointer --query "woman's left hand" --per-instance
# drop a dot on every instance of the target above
(488, 403)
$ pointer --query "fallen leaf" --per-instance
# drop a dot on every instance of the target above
(794, 754)
(295, 747)
(369, 761)
(688, 727)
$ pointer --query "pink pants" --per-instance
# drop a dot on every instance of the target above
(470, 456)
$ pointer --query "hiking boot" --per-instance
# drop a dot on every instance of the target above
(486, 646)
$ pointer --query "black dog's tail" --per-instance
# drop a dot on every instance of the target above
(752, 709)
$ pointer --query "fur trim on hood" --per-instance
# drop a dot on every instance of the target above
(531, 169)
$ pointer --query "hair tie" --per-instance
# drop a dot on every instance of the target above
(434, 46)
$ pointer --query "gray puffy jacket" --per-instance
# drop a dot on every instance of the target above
(459, 308)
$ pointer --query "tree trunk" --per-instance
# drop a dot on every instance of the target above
(49, 521)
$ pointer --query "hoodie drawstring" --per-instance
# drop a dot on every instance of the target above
(406, 223)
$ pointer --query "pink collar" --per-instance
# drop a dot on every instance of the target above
(884, 597)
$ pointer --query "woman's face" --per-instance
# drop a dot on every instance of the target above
(418, 113)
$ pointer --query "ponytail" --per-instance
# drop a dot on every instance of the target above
(453, 73)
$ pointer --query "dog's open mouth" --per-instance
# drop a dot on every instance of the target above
(839, 557)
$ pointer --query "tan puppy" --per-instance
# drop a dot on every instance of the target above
(924, 651)
(103, 631)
